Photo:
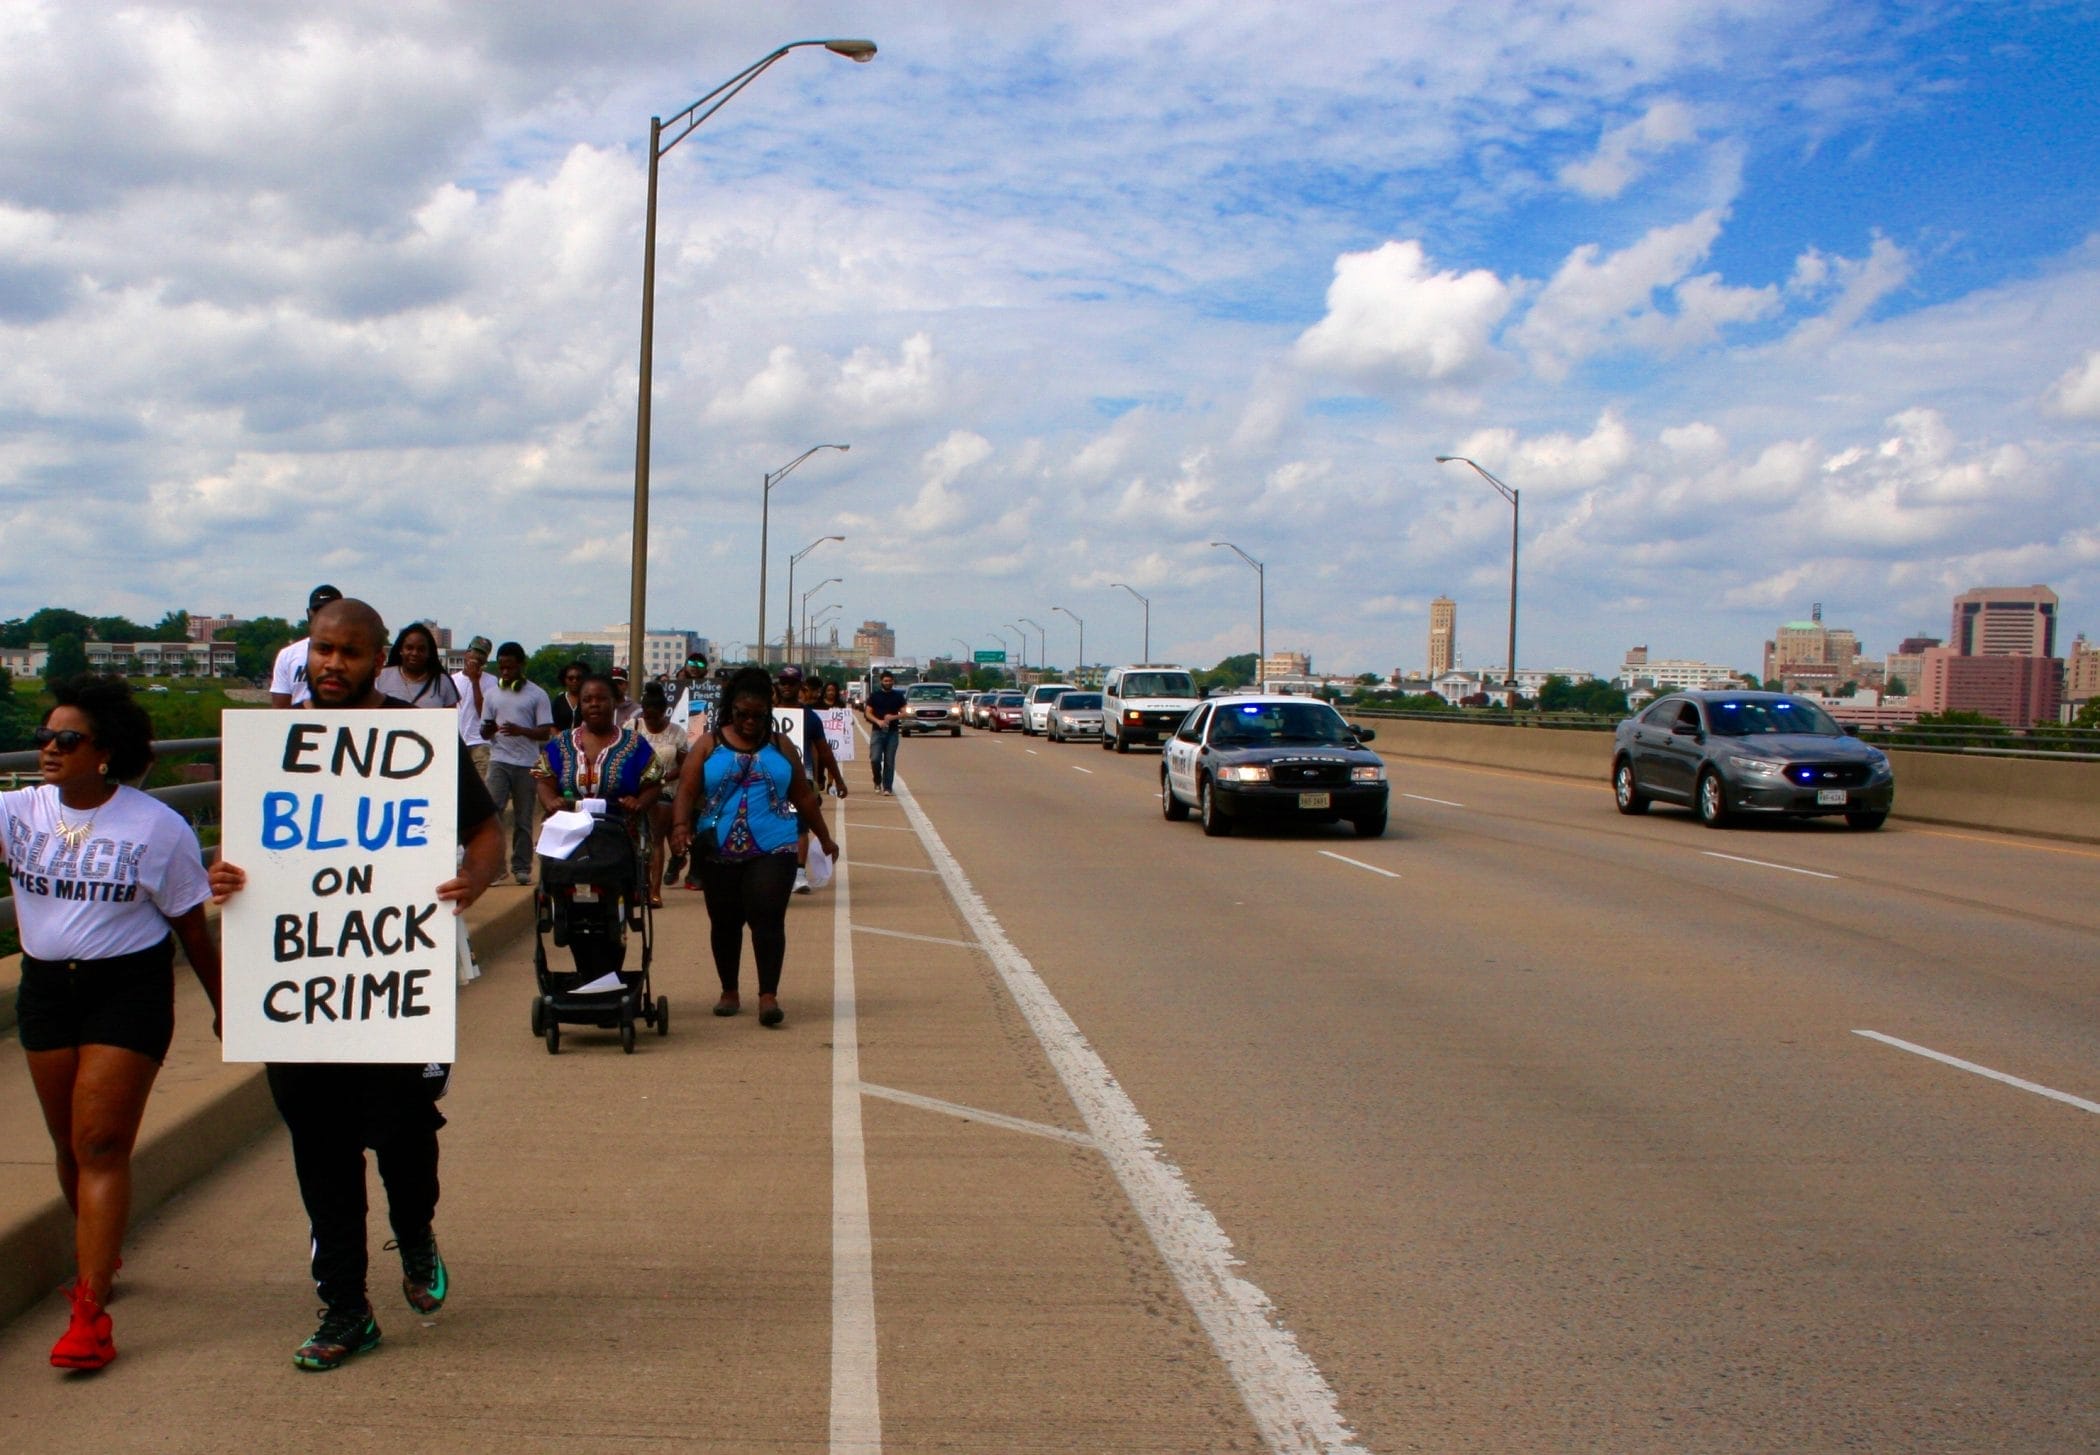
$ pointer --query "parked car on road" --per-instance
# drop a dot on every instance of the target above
(1724, 754)
(1006, 711)
(1261, 755)
(930, 707)
(1074, 715)
(1040, 697)
(1144, 703)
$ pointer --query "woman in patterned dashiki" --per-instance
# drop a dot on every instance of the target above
(598, 760)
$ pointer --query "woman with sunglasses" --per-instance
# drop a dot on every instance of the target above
(102, 873)
(744, 788)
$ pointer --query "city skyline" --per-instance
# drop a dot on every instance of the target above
(1756, 308)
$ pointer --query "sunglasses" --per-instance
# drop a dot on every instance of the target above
(67, 739)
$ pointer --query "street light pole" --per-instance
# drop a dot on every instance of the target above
(1022, 633)
(1076, 671)
(789, 634)
(1002, 631)
(1042, 645)
(804, 637)
(809, 631)
(765, 512)
(1509, 493)
(1261, 614)
(689, 119)
(1148, 617)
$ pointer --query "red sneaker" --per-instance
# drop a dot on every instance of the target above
(86, 1343)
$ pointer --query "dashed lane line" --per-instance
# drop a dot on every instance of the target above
(1077, 769)
(856, 1398)
(896, 868)
(1767, 864)
(922, 939)
(1425, 798)
(1970, 1066)
(1289, 1400)
(972, 1114)
(1345, 859)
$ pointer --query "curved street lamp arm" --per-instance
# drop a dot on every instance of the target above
(1508, 492)
(692, 116)
(776, 476)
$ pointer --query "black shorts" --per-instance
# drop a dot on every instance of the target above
(126, 1001)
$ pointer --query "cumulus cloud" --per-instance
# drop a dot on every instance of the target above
(1857, 283)
(1390, 316)
(2076, 395)
(1624, 151)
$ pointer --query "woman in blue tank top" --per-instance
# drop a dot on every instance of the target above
(744, 792)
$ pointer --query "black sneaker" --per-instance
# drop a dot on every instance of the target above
(343, 1332)
(424, 1282)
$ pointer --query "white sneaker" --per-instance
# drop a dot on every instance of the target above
(801, 881)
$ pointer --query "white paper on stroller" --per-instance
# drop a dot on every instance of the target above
(562, 832)
(595, 807)
(610, 980)
(819, 866)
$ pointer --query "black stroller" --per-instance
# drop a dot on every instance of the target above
(589, 903)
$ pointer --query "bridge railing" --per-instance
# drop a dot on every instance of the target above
(197, 802)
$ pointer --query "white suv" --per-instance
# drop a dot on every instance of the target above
(1035, 712)
(930, 707)
(1144, 703)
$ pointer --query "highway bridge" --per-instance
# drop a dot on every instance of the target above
(1525, 1127)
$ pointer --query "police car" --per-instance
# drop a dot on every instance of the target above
(1264, 756)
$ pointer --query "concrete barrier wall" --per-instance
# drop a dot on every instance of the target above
(2037, 796)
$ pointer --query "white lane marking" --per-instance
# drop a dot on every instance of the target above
(856, 1399)
(1424, 798)
(1077, 769)
(972, 1114)
(1032, 753)
(923, 939)
(1344, 858)
(896, 868)
(1764, 864)
(1960, 1065)
(1290, 1401)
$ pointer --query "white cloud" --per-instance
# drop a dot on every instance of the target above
(1389, 315)
(2076, 395)
(1624, 151)
(1860, 282)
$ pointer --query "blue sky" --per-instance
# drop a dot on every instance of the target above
(1760, 304)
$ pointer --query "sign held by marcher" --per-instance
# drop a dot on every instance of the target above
(339, 949)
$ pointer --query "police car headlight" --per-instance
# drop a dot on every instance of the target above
(1371, 773)
(1758, 767)
(1244, 773)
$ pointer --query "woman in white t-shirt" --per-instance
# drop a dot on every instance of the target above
(414, 672)
(101, 874)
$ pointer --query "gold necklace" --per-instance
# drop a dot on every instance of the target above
(73, 835)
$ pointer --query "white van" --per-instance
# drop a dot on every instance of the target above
(1144, 703)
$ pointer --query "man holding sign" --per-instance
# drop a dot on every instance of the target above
(339, 967)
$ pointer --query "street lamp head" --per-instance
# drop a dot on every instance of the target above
(862, 51)
(1450, 459)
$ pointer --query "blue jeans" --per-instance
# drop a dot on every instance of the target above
(882, 756)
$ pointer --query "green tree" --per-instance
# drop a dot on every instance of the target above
(53, 622)
(1895, 687)
(172, 627)
(68, 658)
(1600, 698)
(1557, 694)
(2089, 715)
(1234, 672)
(544, 666)
(17, 720)
(257, 644)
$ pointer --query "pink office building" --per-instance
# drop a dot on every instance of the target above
(2017, 689)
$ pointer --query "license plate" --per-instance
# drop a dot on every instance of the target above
(1314, 800)
(584, 894)
(1834, 797)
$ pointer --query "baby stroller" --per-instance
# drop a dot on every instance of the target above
(589, 903)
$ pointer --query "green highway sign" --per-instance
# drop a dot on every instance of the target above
(991, 659)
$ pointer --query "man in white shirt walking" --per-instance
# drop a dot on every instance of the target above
(522, 716)
(288, 672)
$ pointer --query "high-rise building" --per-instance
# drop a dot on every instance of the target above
(876, 639)
(2017, 689)
(1443, 635)
(1811, 653)
(2082, 671)
(2004, 621)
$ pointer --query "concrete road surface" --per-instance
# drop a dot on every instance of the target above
(1526, 1127)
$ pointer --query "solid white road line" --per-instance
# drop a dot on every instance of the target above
(1424, 798)
(895, 868)
(856, 1399)
(1763, 864)
(1077, 769)
(922, 939)
(1344, 858)
(1290, 1401)
(972, 1114)
(1970, 1066)
(1033, 754)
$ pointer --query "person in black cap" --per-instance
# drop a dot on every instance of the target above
(288, 673)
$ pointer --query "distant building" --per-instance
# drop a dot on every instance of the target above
(25, 661)
(204, 628)
(2018, 690)
(2081, 673)
(164, 659)
(1530, 680)
(2004, 621)
(1810, 653)
(1456, 686)
(663, 652)
(876, 640)
(1443, 635)
(1679, 673)
(1286, 666)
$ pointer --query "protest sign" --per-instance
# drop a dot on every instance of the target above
(838, 731)
(339, 949)
(788, 720)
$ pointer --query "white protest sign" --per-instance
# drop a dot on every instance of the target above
(788, 720)
(339, 949)
(838, 731)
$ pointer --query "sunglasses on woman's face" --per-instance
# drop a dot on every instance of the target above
(66, 738)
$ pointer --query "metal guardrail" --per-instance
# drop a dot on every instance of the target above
(188, 799)
(2058, 744)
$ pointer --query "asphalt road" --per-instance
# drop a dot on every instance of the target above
(1531, 1127)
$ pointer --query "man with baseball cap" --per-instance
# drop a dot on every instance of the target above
(288, 673)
